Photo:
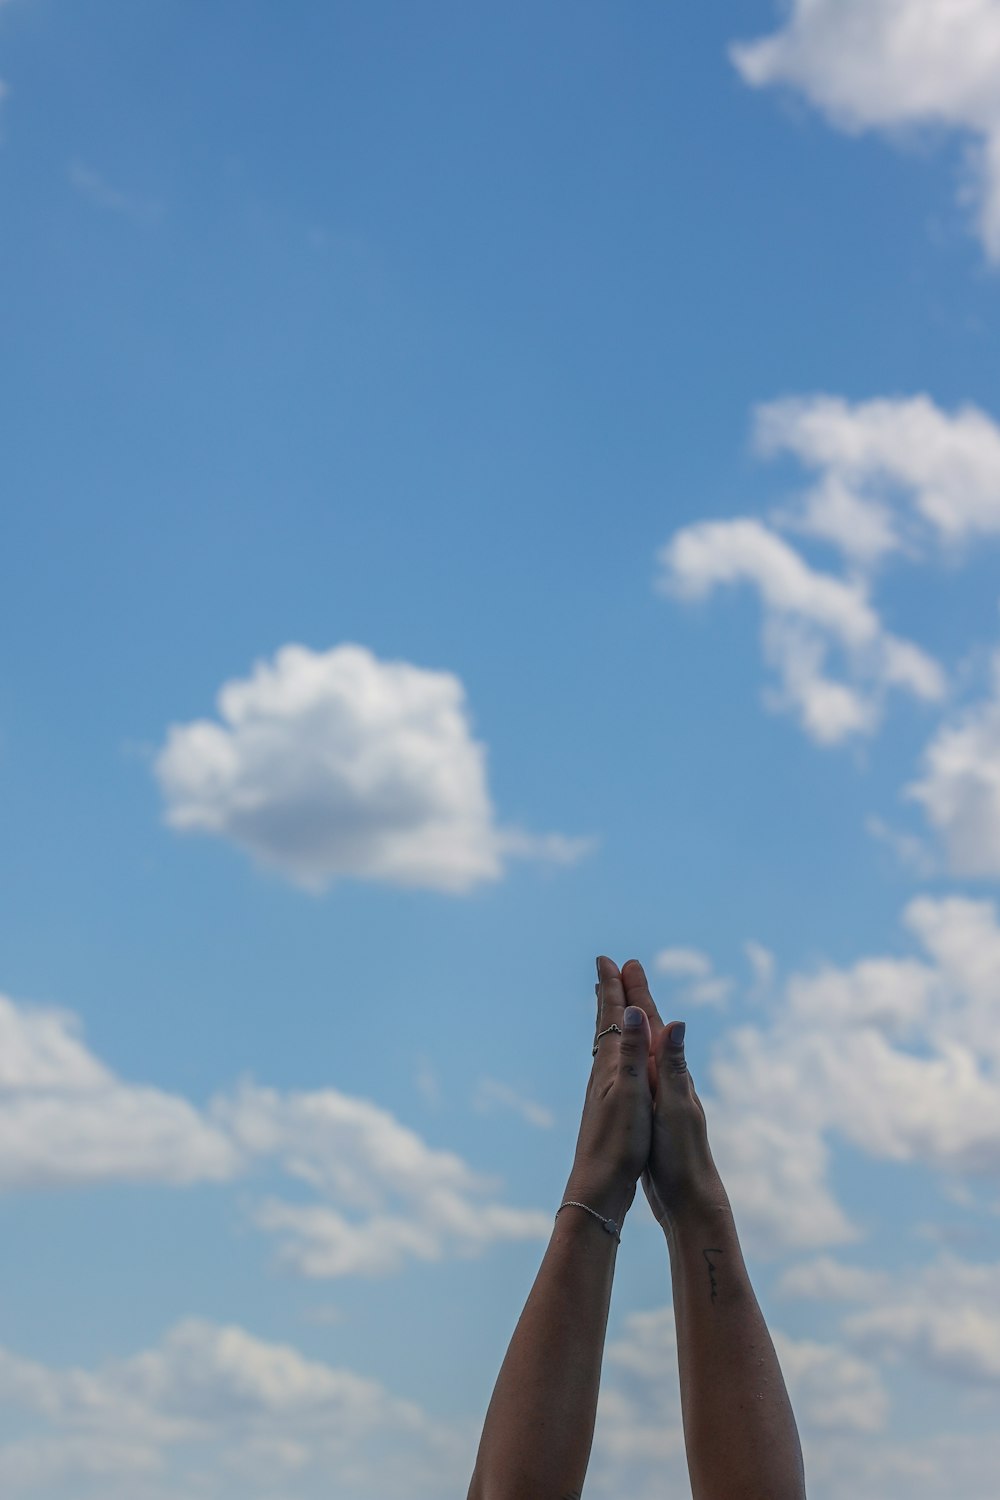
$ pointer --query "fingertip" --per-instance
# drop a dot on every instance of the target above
(664, 1045)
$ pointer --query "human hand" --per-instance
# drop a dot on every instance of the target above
(616, 1129)
(681, 1174)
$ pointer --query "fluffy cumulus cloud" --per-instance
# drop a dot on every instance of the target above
(902, 1060)
(382, 1194)
(331, 764)
(842, 1408)
(888, 65)
(890, 475)
(898, 477)
(959, 788)
(66, 1118)
(943, 1317)
(213, 1411)
(808, 614)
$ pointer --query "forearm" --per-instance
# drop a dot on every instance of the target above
(540, 1424)
(739, 1430)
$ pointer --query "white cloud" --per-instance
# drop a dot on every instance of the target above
(841, 1406)
(886, 65)
(892, 474)
(647, 1346)
(639, 1440)
(66, 1118)
(212, 1404)
(857, 1467)
(910, 852)
(386, 1196)
(384, 1193)
(335, 764)
(807, 613)
(830, 1388)
(828, 1280)
(897, 476)
(491, 1093)
(776, 1172)
(944, 1317)
(899, 1057)
(692, 968)
(708, 554)
(960, 786)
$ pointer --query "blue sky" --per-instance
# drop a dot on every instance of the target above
(569, 441)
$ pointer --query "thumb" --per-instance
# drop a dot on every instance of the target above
(671, 1064)
(633, 1050)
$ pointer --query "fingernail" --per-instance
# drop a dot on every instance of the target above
(633, 1017)
(597, 963)
(677, 1034)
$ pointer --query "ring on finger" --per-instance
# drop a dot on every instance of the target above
(613, 1027)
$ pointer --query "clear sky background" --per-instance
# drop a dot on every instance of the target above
(485, 485)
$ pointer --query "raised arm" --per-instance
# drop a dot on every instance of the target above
(739, 1430)
(540, 1424)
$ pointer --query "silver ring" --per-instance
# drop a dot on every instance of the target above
(597, 1038)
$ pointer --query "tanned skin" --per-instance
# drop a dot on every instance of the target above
(641, 1117)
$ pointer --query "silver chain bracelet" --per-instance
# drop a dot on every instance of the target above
(608, 1224)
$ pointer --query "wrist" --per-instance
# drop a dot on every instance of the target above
(699, 1211)
(611, 1199)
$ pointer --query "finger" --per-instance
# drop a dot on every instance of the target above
(611, 1010)
(637, 993)
(633, 1049)
(671, 1064)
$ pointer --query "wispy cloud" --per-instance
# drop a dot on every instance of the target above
(492, 1094)
(909, 851)
(808, 614)
(97, 190)
(693, 971)
(889, 477)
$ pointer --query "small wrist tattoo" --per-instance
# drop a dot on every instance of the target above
(711, 1270)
